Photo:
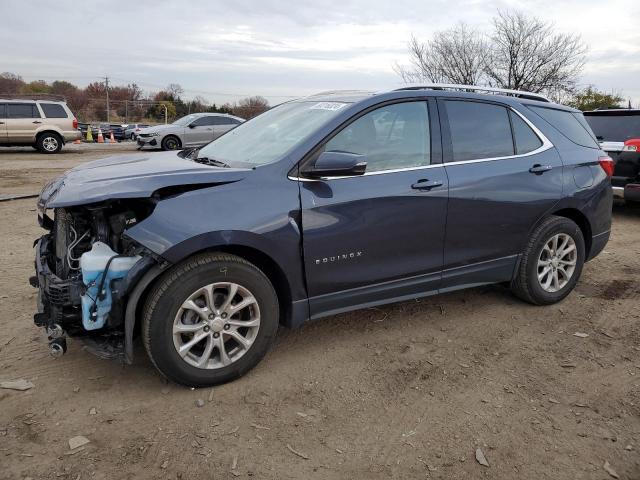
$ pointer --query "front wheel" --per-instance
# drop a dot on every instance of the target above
(210, 320)
(170, 143)
(551, 263)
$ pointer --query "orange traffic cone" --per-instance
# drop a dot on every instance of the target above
(100, 137)
(111, 139)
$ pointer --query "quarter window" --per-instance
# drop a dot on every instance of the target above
(53, 110)
(22, 110)
(479, 130)
(391, 137)
(569, 124)
(526, 139)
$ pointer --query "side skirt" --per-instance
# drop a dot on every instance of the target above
(467, 276)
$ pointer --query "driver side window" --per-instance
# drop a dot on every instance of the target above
(202, 121)
(392, 137)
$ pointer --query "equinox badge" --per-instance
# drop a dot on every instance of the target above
(338, 258)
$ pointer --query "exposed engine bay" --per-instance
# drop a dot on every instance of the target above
(85, 269)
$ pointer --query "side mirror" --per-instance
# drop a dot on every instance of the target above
(337, 164)
(191, 125)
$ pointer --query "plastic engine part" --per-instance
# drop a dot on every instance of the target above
(93, 263)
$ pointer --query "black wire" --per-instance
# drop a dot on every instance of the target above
(100, 296)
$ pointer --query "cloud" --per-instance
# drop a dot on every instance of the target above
(278, 48)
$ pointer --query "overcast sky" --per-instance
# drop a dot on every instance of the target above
(281, 48)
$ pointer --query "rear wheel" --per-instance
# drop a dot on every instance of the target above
(210, 320)
(49, 143)
(171, 142)
(551, 263)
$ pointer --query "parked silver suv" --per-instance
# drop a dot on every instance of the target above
(43, 124)
(193, 130)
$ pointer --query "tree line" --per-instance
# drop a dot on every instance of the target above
(519, 52)
(127, 103)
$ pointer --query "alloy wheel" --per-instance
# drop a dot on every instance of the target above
(50, 144)
(557, 262)
(216, 325)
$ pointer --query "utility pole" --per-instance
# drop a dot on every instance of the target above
(106, 83)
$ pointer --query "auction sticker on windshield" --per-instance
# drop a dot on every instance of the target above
(328, 106)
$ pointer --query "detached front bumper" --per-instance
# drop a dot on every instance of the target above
(148, 142)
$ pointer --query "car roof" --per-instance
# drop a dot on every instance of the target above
(436, 90)
(28, 100)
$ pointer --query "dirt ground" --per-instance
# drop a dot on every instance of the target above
(408, 390)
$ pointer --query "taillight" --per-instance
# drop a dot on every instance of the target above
(75, 123)
(607, 165)
(632, 145)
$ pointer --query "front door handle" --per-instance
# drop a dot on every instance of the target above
(540, 169)
(426, 184)
(36, 121)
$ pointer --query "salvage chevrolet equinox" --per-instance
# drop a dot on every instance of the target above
(330, 203)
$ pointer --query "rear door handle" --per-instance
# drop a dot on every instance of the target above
(426, 184)
(540, 169)
(36, 121)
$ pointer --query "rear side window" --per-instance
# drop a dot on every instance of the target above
(568, 125)
(526, 140)
(479, 130)
(222, 121)
(53, 110)
(22, 110)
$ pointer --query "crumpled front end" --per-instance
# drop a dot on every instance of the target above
(85, 269)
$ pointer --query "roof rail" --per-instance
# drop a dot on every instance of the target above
(32, 96)
(474, 88)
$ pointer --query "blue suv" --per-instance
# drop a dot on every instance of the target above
(330, 203)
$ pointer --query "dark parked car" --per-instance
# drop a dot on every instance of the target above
(618, 131)
(321, 205)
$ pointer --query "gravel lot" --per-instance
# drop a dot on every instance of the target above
(408, 390)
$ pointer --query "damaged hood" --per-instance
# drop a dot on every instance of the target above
(131, 176)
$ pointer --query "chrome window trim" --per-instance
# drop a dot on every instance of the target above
(546, 145)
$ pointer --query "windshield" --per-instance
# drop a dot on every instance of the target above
(184, 121)
(269, 136)
(615, 128)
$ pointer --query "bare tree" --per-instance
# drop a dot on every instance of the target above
(250, 107)
(175, 89)
(456, 55)
(526, 53)
(522, 53)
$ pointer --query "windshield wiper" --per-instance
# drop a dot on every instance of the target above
(211, 161)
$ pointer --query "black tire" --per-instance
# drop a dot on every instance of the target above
(49, 142)
(174, 287)
(526, 285)
(171, 142)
